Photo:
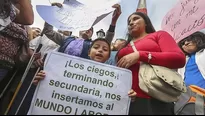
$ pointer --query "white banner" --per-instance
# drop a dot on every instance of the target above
(76, 86)
(74, 15)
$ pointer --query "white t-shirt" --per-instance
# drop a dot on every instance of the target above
(47, 44)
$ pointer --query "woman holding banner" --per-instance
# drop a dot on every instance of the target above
(157, 48)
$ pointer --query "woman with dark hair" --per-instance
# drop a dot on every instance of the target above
(156, 48)
(194, 71)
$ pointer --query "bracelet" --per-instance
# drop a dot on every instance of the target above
(149, 57)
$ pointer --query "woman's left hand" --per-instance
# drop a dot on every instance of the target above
(128, 60)
(132, 94)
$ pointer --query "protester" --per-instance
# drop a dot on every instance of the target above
(65, 33)
(13, 35)
(119, 43)
(46, 46)
(84, 35)
(79, 47)
(99, 52)
(100, 33)
(30, 33)
(9, 13)
(36, 32)
(194, 70)
(33, 32)
(157, 48)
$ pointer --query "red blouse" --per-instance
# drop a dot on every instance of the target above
(164, 51)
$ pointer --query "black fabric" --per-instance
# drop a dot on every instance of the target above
(6, 99)
(27, 101)
(111, 28)
(85, 50)
(86, 46)
(65, 44)
(143, 106)
(7, 96)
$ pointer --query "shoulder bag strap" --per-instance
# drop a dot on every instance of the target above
(133, 46)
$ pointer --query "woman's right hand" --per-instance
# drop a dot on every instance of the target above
(40, 76)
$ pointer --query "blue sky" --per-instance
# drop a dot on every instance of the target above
(157, 9)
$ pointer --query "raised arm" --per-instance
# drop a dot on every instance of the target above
(111, 31)
(50, 33)
(53, 35)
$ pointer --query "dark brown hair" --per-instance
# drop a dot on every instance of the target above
(101, 39)
(149, 28)
(198, 38)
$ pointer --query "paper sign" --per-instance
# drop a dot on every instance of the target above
(184, 19)
(77, 86)
(73, 16)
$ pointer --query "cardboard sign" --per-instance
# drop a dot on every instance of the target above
(185, 18)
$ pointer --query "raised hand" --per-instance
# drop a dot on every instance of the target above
(57, 4)
(116, 14)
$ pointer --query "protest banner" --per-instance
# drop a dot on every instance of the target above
(184, 19)
(76, 86)
(74, 15)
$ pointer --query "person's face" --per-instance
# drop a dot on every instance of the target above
(136, 24)
(86, 34)
(119, 44)
(100, 51)
(36, 32)
(30, 33)
(189, 47)
(66, 33)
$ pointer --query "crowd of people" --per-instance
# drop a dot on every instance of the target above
(153, 47)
